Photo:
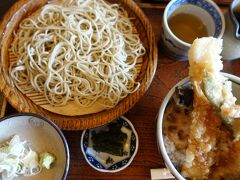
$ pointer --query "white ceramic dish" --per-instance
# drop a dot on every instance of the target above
(97, 160)
(43, 136)
(236, 91)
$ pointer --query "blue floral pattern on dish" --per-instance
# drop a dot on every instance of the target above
(168, 51)
(115, 166)
(204, 5)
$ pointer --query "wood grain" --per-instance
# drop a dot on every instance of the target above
(159, 3)
(142, 115)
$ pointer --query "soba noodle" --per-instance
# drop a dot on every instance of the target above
(77, 51)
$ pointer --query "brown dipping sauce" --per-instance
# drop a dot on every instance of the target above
(187, 27)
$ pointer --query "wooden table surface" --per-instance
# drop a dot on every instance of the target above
(143, 114)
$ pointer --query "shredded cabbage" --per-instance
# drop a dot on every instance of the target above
(17, 158)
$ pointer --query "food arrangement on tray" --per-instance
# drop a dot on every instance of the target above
(84, 63)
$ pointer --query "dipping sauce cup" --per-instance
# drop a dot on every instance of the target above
(191, 16)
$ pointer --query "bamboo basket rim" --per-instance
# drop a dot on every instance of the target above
(23, 104)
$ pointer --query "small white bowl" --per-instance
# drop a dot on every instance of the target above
(42, 135)
(160, 136)
(97, 160)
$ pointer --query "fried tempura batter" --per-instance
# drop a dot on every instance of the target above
(211, 90)
(204, 130)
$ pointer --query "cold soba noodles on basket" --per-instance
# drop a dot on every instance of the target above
(201, 127)
(84, 53)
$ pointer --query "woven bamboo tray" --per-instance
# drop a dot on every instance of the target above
(22, 103)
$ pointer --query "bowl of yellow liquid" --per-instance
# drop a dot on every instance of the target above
(186, 20)
(190, 29)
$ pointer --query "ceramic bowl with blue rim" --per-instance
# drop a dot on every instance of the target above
(106, 161)
(41, 135)
(205, 10)
(231, 43)
(160, 120)
(234, 12)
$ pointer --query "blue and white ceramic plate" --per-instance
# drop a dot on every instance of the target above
(105, 162)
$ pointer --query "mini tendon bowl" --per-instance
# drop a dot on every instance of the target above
(160, 136)
(42, 135)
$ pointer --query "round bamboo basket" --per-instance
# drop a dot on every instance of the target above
(22, 103)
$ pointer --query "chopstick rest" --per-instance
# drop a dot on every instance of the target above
(161, 173)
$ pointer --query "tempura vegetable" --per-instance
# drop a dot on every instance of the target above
(200, 153)
(211, 144)
(205, 66)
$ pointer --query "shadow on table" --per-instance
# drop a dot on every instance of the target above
(4, 6)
